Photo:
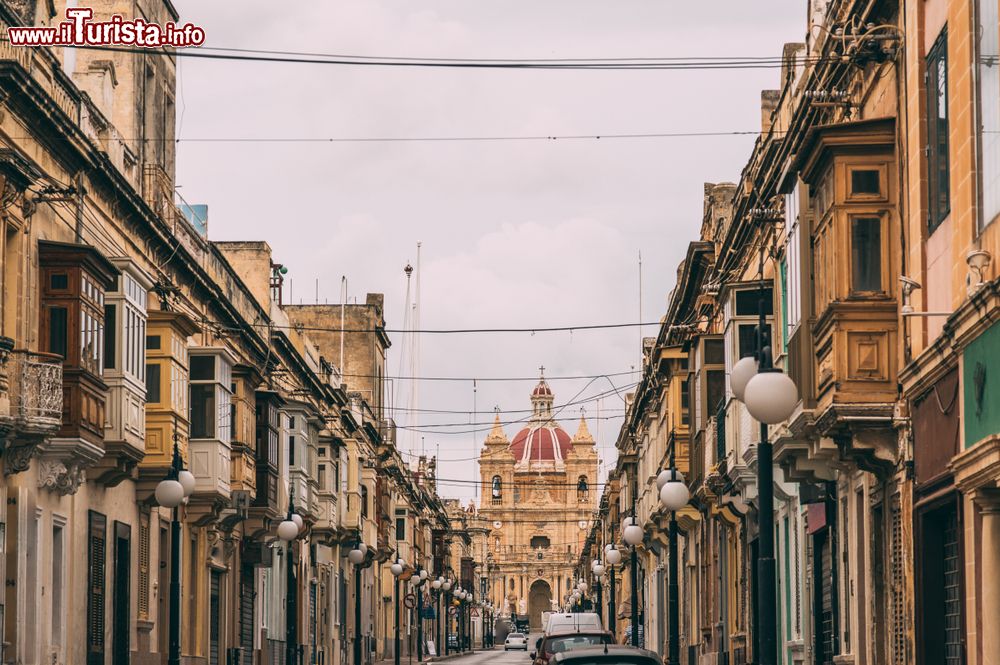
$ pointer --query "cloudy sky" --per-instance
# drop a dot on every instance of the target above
(514, 233)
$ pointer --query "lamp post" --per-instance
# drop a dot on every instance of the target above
(674, 496)
(421, 579)
(770, 397)
(632, 535)
(396, 569)
(614, 557)
(288, 530)
(437, 593)
(357, 557)
(446, 618)
(598, 569)
(170, 493)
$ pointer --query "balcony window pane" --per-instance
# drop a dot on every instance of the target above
(748, 338)
(988, 77)
(939, 189)
(153, 383)
(202, 411)
(715, 353)
(57, 330)
(110, 321)
(202, 368)
(866, 254)
(747, 302)
(865, 181)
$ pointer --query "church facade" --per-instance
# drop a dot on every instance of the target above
(539, 493)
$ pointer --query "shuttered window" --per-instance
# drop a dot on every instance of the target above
(143, 592)
(96, 585)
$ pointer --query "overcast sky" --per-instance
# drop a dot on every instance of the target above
(515, 234)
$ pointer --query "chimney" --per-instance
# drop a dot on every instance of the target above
(768, 103)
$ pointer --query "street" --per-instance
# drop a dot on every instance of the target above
(498, 656)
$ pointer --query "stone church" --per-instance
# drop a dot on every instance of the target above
(539, 493)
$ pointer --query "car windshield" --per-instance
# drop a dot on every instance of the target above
(612, 659)
(516, 635)
(570, 642)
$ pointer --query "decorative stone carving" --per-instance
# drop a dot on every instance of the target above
(55, 476)
(17, 456)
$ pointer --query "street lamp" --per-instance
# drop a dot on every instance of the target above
(770, 397)
(421, 579)
(170, 493)
(396, 569)
(288, 530)
(357, 557)
(446, 613)
(674, 496)
(613, 557)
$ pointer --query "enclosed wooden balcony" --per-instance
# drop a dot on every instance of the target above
(851, 172)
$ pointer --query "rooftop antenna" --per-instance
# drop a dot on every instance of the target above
(475, 486)
(640, 307)
(343, 312)
(411, 417)
(416, 340)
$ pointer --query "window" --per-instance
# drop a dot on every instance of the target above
(58, 591)
(401, 527)
(865, 182)
(321, 477)
(748, 338)
(715, 389)
(938, 187)
(497, 491)
(748, 302)
(57, 331)
(291, 450)
(59, 281)
(715, 352)
(211, 400)
(109, 338)
(540, 542)
(153, 342)
(793, 257)
(152, 383)
(364, 502)
(988, 80)
(685, 402)
(96, 554)
(866, 254)
(582, 490)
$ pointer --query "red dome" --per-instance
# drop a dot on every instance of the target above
(541, 444)
(541, 389)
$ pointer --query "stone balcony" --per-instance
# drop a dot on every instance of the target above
(34, 404)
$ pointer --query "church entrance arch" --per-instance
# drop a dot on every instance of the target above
(539, 600)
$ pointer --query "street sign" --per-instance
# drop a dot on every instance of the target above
(410, 601)
(475, 612)
(431, 649)
(453, 610)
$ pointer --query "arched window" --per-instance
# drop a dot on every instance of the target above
(497, 489)
(582, 489)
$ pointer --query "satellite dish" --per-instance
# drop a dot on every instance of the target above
(497, 524)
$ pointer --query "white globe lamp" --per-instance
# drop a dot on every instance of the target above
(298, 520)
(169, 493)
(614, 556)
(187, 481)
(446, 585)
(599, 569)
(288, 530)
(743, 371)
(436, 584)
(356, 556)
(396, 569)
(674, 495)
(633, 534)
(423, 573)
(363, 548)
(771, 397)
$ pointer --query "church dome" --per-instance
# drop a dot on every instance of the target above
(541, 443)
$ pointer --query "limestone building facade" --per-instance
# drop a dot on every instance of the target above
(538, 492)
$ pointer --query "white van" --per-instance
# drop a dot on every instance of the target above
(573, 622)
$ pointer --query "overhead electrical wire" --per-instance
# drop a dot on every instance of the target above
(492, 378)
(439, 331)
(697, 63)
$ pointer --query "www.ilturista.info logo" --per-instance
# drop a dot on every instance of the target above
(79, 30)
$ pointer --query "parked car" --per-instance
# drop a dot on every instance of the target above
(549, 645)
(516, 641)
(609, 654)
(565, 622)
